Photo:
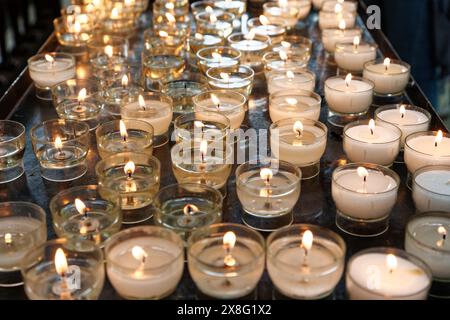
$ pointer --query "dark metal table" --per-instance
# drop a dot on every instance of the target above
(20, 104)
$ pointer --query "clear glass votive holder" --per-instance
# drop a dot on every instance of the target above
(217, 57)
(431, 188)
(294, 103)
(299, 79)
(163, 43)
(160, 69)
(95, 218)
(61, 147)
(200, 6)
(63, 269)
(187, 207)
(117, 96)
(145, 263)
(49, 69)
(124, 136)
(295, 42)
(70, 90)
(364, 195)
(105, 47)
(305, 273)
(351, 58)
(283, 61)
(276, 31)
(230, 103)
(390, 81)
(287, 15)
(332, 19)
(108, 78)
(301, 142)
(236, 7)
(387, 274)
(135, 178)
(239, 78)
(22, 228)
(268, 191)
(72, 34)
(154, 108)
(426, 238)
(252, 49)
(179, 12)
(218, 23)
(226, 260)
(200, 41)
(12, 149)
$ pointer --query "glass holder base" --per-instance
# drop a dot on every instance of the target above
(310, 171)
(10, 279)
(266, 224)
(135, 216)
(11, 173)
(440, 289)
(277, 295)
(361, 228)
(341, 120)
(64, 174)
(43, 93)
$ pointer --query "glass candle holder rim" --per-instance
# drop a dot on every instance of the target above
(371, 166)
(233, 227)
(54, 54)
(98, 40)
(151, 34)
(316, 230)
(305, 3)
(38, 210)
(429, 168)
(84, 127)
(397, 252)
(214, 115)
(425, 133)
(393, 61)
(261, 165)
(131, 87)
(160, 67)
(291, 122)
(149, 95)
(297, 92)
(332, 31)
(227, 153)
(366, 122)
(348, 47)
(239, 96)
(275, 4)
(16, 136)
(365, 80)
(348, 1)
(88, 83)
(251, 24)
(199, 3)
(116, 124)
(407, 107)
(423, 215)
(299, 39)
(218, 13)
(200, 52)
(147, 230)
(101, 165)
(298, 71)
(259, 37)
(345, 14)
(275, 56)
(248, 72)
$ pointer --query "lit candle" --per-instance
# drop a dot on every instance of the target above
(431, 188)
(352, 57)
(333, 36)
(61, 287)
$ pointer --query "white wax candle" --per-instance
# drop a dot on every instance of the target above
(157, 113)
(156, 278)
(47, 74)
(232, 109)
(390, 80)
(369, 278)
(422, 151)
(278, 81)
(372, 199)
(287, 16)
(249, 45)
(347, 6)
(381, 147)
(294, 106)
(352, 58)
(331, 19)
(331, 37)
(354, 97)
(431, 190)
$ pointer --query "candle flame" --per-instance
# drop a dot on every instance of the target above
(298, 128)
(129, 2)
(307, 240)
(139, 253)
(114, 13)
(439, 137)
(61, 262)
(80, 206)
(217, 56)
(82, 95)
(283, 55)
(338, 8)
(266, 174)
(170, 6)
(109, 51)
(190, 209)
(362, 172)
(170, 17)
(58, 142)
(391, 262)
(229, 240)
(250, 35)
(215, 99)
(8, 238)
(76, 27)
(291, 101)
(198, 124)
(371, 126)
(387, 63)
(209, 9)
(286, 44)
(290, 74)
(198, 36)
(263, 20)
(225, 76)
(124, 80)
(442, 231)
(283, 3)
(212, 17)
(163, 34)
(342, 25)
(123, 130)
(348, 79)
(356, 41)
(49, 58)
(141, 101)
(129, 168)
(402, 111)
(203, 148)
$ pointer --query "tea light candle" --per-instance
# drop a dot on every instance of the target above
(364, 195)
(200, 41)
(153, 108)
(387, 273)
(427, 148)
(182, 92)
(352, 56)
(305, 261)
(366, 142)
(163, 43)
(410, 119)
(234, 252)
(12, 150)
(160, 69)
(107, 60)
(217, 57)
(268, 192)
(231, 78)
(262, 26)
(332, 37)
(232, 104)
(287, 104)
(331, 19)
(291, 80)
(431, 188)
(117, 95)
(285, 60)
(124, 136)
(282, 12)
(390, 77)
(145, 262)
(216, 22)
(252, 47)
(206, 125)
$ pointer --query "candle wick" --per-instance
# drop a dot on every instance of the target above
(218, 107)
(444, 237)
(403, 115)
(129, 174)
(371, 131)
(435, 144)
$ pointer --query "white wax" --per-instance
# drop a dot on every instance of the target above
(330, 19)
(228, 107)
(422, 152)
(381, 148)
(424, 241)
(293, 280)
(413, 121)
(158, 114)
(353, 58)
(280, 81)
(147, 284)
(431, 191)
(369, 278)
(47, 74)
(391, 81)
(249, 45)
(331, 37)
(298, 154)
(353, 99)
(305, 107)
(373, 199)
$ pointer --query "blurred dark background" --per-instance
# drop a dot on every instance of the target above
(418, 29)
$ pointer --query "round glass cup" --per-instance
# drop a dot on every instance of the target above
(110, 141)
(288, 15)
(430, 188)
(291, 103)
(252, 51)
(96, 221)
(61, 147)
(80, 275)
(68, 36)
(70, 89)
(296, 59)
(121, 26)
(12, 149)
(391, 83)
(163, 43)
(351, 59)
(46, 74)
(199, 41)
(236, 7)
(136, 187)
(117, 95)
(22, 228)
(200, 6)
(160, 69)
(97, 45)
(238, 78)
(211, 267)
(156, 274)
(377, 274)
(295, 42)
(276, 31)
(179, 12)
(221, 26)
(217, 57)
(363, 207)
(267, 205)
(299, 79)
(109, 77)
(187, 207)
(331, 20)
(309, 276)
